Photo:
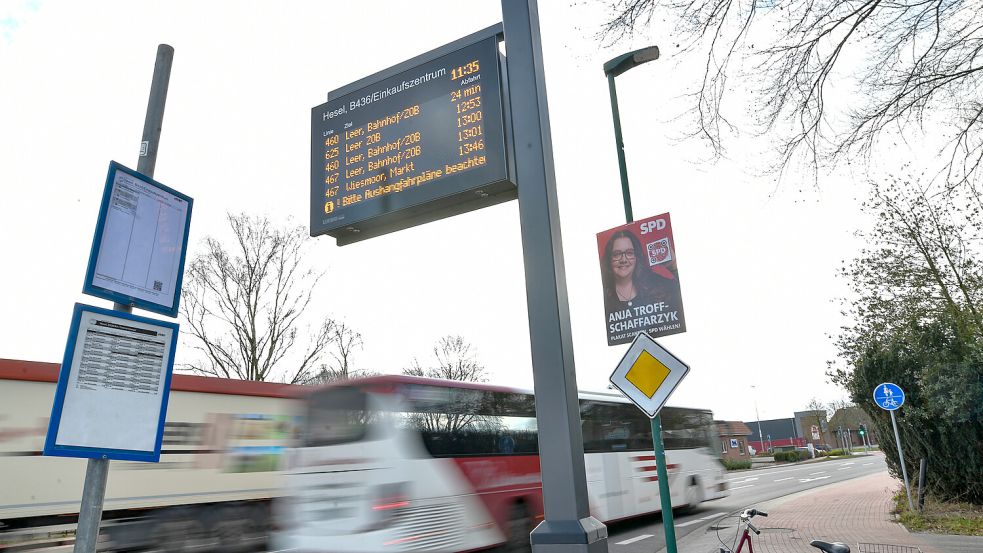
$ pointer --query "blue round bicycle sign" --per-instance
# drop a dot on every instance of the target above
(888, 396)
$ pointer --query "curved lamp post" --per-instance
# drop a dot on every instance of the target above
(612, 69)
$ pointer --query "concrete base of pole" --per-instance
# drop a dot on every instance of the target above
(587, 535)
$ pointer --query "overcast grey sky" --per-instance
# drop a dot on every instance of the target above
(757, 264)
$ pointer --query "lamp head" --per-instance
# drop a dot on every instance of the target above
(624, 62)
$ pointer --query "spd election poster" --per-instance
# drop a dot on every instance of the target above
(640, 280)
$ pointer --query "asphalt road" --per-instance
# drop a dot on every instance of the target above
(747, 489)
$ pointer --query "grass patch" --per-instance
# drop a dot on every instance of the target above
(964, 519)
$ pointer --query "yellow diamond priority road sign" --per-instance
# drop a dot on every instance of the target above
(648, 374)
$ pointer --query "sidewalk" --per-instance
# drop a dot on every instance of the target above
(853, 512)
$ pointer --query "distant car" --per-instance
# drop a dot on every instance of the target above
(821, 447)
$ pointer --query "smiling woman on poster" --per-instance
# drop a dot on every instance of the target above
(641, 285)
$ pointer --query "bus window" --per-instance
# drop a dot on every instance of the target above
(687, 428)
(337, 416)
(614, 427)
(457, 422)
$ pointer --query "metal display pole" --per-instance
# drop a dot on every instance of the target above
(567, 526)
(97, 470)
(904, 471)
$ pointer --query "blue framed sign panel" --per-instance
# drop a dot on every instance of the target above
(115, 379)
(139, 246)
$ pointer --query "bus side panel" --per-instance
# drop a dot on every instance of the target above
(506, 483)
(198, 464)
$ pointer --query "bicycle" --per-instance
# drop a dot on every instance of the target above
(745, 520)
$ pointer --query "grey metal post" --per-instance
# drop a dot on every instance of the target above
(97, 470)
(922, 470)
(567, 526)
(155, 110)
(90, 512)
(904, 471)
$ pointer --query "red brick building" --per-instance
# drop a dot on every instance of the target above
(733, 438)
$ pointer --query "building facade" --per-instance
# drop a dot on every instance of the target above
(733, 438)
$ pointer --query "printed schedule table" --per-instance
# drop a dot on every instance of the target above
(126, 359)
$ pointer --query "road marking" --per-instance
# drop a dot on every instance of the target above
(636, 538)
(843, 468)
(867, 464)
(748, 486)
(804, 480)
(714, 515)
(820, 472)
(688, 523)
(780, 469)
(781, 479)
(744, 480)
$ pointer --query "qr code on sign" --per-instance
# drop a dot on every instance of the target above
(158, 286)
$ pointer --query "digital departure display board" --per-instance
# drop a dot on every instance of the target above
(415, 143)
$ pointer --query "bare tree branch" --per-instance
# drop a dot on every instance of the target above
(244, 308)
(835, 77)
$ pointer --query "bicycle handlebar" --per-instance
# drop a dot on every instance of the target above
(754, 512)
(751, 526)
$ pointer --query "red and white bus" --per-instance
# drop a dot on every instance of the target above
(400, 463)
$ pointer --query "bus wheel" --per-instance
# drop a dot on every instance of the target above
(693, 494)
(517, 530)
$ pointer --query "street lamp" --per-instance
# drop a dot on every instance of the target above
(761, 437)
(612, 69)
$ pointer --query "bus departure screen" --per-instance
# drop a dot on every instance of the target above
(425, 134)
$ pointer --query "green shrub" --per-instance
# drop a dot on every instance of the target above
(791, 456)
(834, 452)
(736, 464)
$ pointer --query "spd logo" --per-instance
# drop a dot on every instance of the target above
(659, 251)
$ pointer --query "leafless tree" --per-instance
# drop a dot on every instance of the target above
(244, 305)
(454, 359)
(902, 70)
(346, 341)
(818, 418)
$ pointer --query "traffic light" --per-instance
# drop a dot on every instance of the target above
(863, 430)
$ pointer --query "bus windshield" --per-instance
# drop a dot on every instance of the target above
(337, 416)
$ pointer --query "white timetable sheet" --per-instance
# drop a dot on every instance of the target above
(116, 384)
(142, 240)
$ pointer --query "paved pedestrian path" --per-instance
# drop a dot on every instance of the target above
(855, 512)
